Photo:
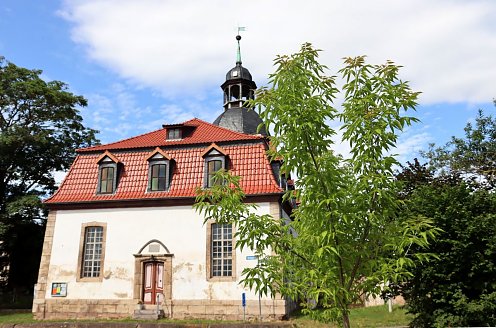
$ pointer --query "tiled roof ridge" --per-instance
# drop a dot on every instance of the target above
(165, 148)
(193, 120)
(250, 136)
(115, 142)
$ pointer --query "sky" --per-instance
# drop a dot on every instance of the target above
(145, 63)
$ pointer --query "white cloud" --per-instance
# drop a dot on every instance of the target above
(409, 146)
(59, 176)
(184, 47)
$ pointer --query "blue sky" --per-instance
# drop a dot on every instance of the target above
(144, 63)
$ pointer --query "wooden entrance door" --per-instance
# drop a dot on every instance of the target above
(153, 282)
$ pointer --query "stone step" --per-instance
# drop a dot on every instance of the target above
(148, 314)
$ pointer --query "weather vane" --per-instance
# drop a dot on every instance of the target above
(238, 37)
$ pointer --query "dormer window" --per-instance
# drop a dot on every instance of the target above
(215, 160)
(159, 172)
(107, 173)
(181, 131)
(158, 176)
(174, 134)
(213, 165)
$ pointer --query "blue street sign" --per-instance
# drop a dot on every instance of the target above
(243, 299)
(252, 257)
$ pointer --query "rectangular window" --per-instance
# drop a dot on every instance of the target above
(158, 177)
(212, 167)
(173, 134)
(221, 250)
(92, 252)
(106, 180)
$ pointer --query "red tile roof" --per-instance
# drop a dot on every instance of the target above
(248, 160)
(203, 132)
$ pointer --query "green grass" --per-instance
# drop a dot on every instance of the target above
(16, 317)
(374, 316)
(11, 318)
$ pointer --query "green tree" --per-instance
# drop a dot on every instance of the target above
(474, 156)
(40, 126)
(342, 240)
(458, 287)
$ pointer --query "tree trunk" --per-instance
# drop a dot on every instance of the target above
(346, 320)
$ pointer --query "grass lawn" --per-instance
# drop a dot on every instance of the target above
(376, 316)
(16, 317)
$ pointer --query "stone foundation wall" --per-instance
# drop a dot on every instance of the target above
(83, 309)
(177, 309)
(227, 310)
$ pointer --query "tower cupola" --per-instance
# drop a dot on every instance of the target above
(238, 88)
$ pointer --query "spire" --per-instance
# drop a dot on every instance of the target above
(238, 56)
(238, 37)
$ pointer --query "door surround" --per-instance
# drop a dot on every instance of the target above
(139, 263)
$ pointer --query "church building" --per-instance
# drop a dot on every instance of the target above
(122, 238)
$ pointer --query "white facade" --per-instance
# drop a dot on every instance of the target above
(179, 228)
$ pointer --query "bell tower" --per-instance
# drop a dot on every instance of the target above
(238, 88)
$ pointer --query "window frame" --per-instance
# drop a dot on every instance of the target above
(101, 167)
(209, 255)
(159, 161)
(82, 249)
(208, 159)
(177, 134)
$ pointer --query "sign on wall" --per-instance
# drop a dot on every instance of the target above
(59, 289)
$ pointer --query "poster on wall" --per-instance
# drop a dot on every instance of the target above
(59, 289)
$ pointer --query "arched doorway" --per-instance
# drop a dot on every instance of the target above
(153, 273)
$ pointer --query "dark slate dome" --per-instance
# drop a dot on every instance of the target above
(241, 119)
(238, 72)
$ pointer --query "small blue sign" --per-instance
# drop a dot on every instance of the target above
(243, 299)
(252, 257)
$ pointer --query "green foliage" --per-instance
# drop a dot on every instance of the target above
(40, 127)
(473, 156)
(458, 287)
(343, 239)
